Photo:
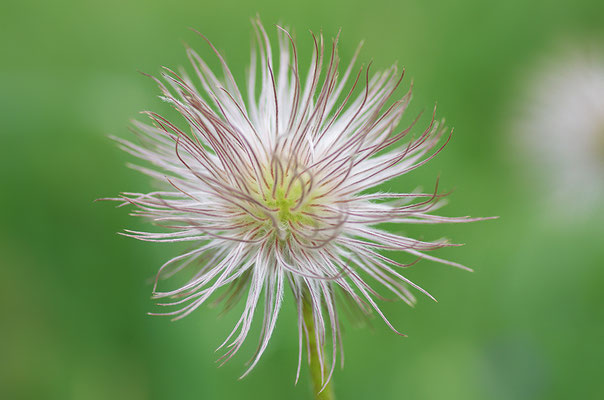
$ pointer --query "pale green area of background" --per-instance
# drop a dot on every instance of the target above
(528, 324)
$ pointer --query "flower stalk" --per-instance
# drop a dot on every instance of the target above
(320, 390)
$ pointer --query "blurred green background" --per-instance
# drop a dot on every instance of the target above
(528, 324)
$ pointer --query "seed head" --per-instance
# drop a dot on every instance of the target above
(275, 191)
(561, 130)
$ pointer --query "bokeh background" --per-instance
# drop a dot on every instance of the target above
(528, 324)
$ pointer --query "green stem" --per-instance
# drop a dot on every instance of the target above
(315, 367)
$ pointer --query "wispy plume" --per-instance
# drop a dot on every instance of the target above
(271, 185)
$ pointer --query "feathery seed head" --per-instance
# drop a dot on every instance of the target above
(561, 129)
(272, 191)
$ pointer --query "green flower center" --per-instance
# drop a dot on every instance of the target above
(287, 198)
(286, 201)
